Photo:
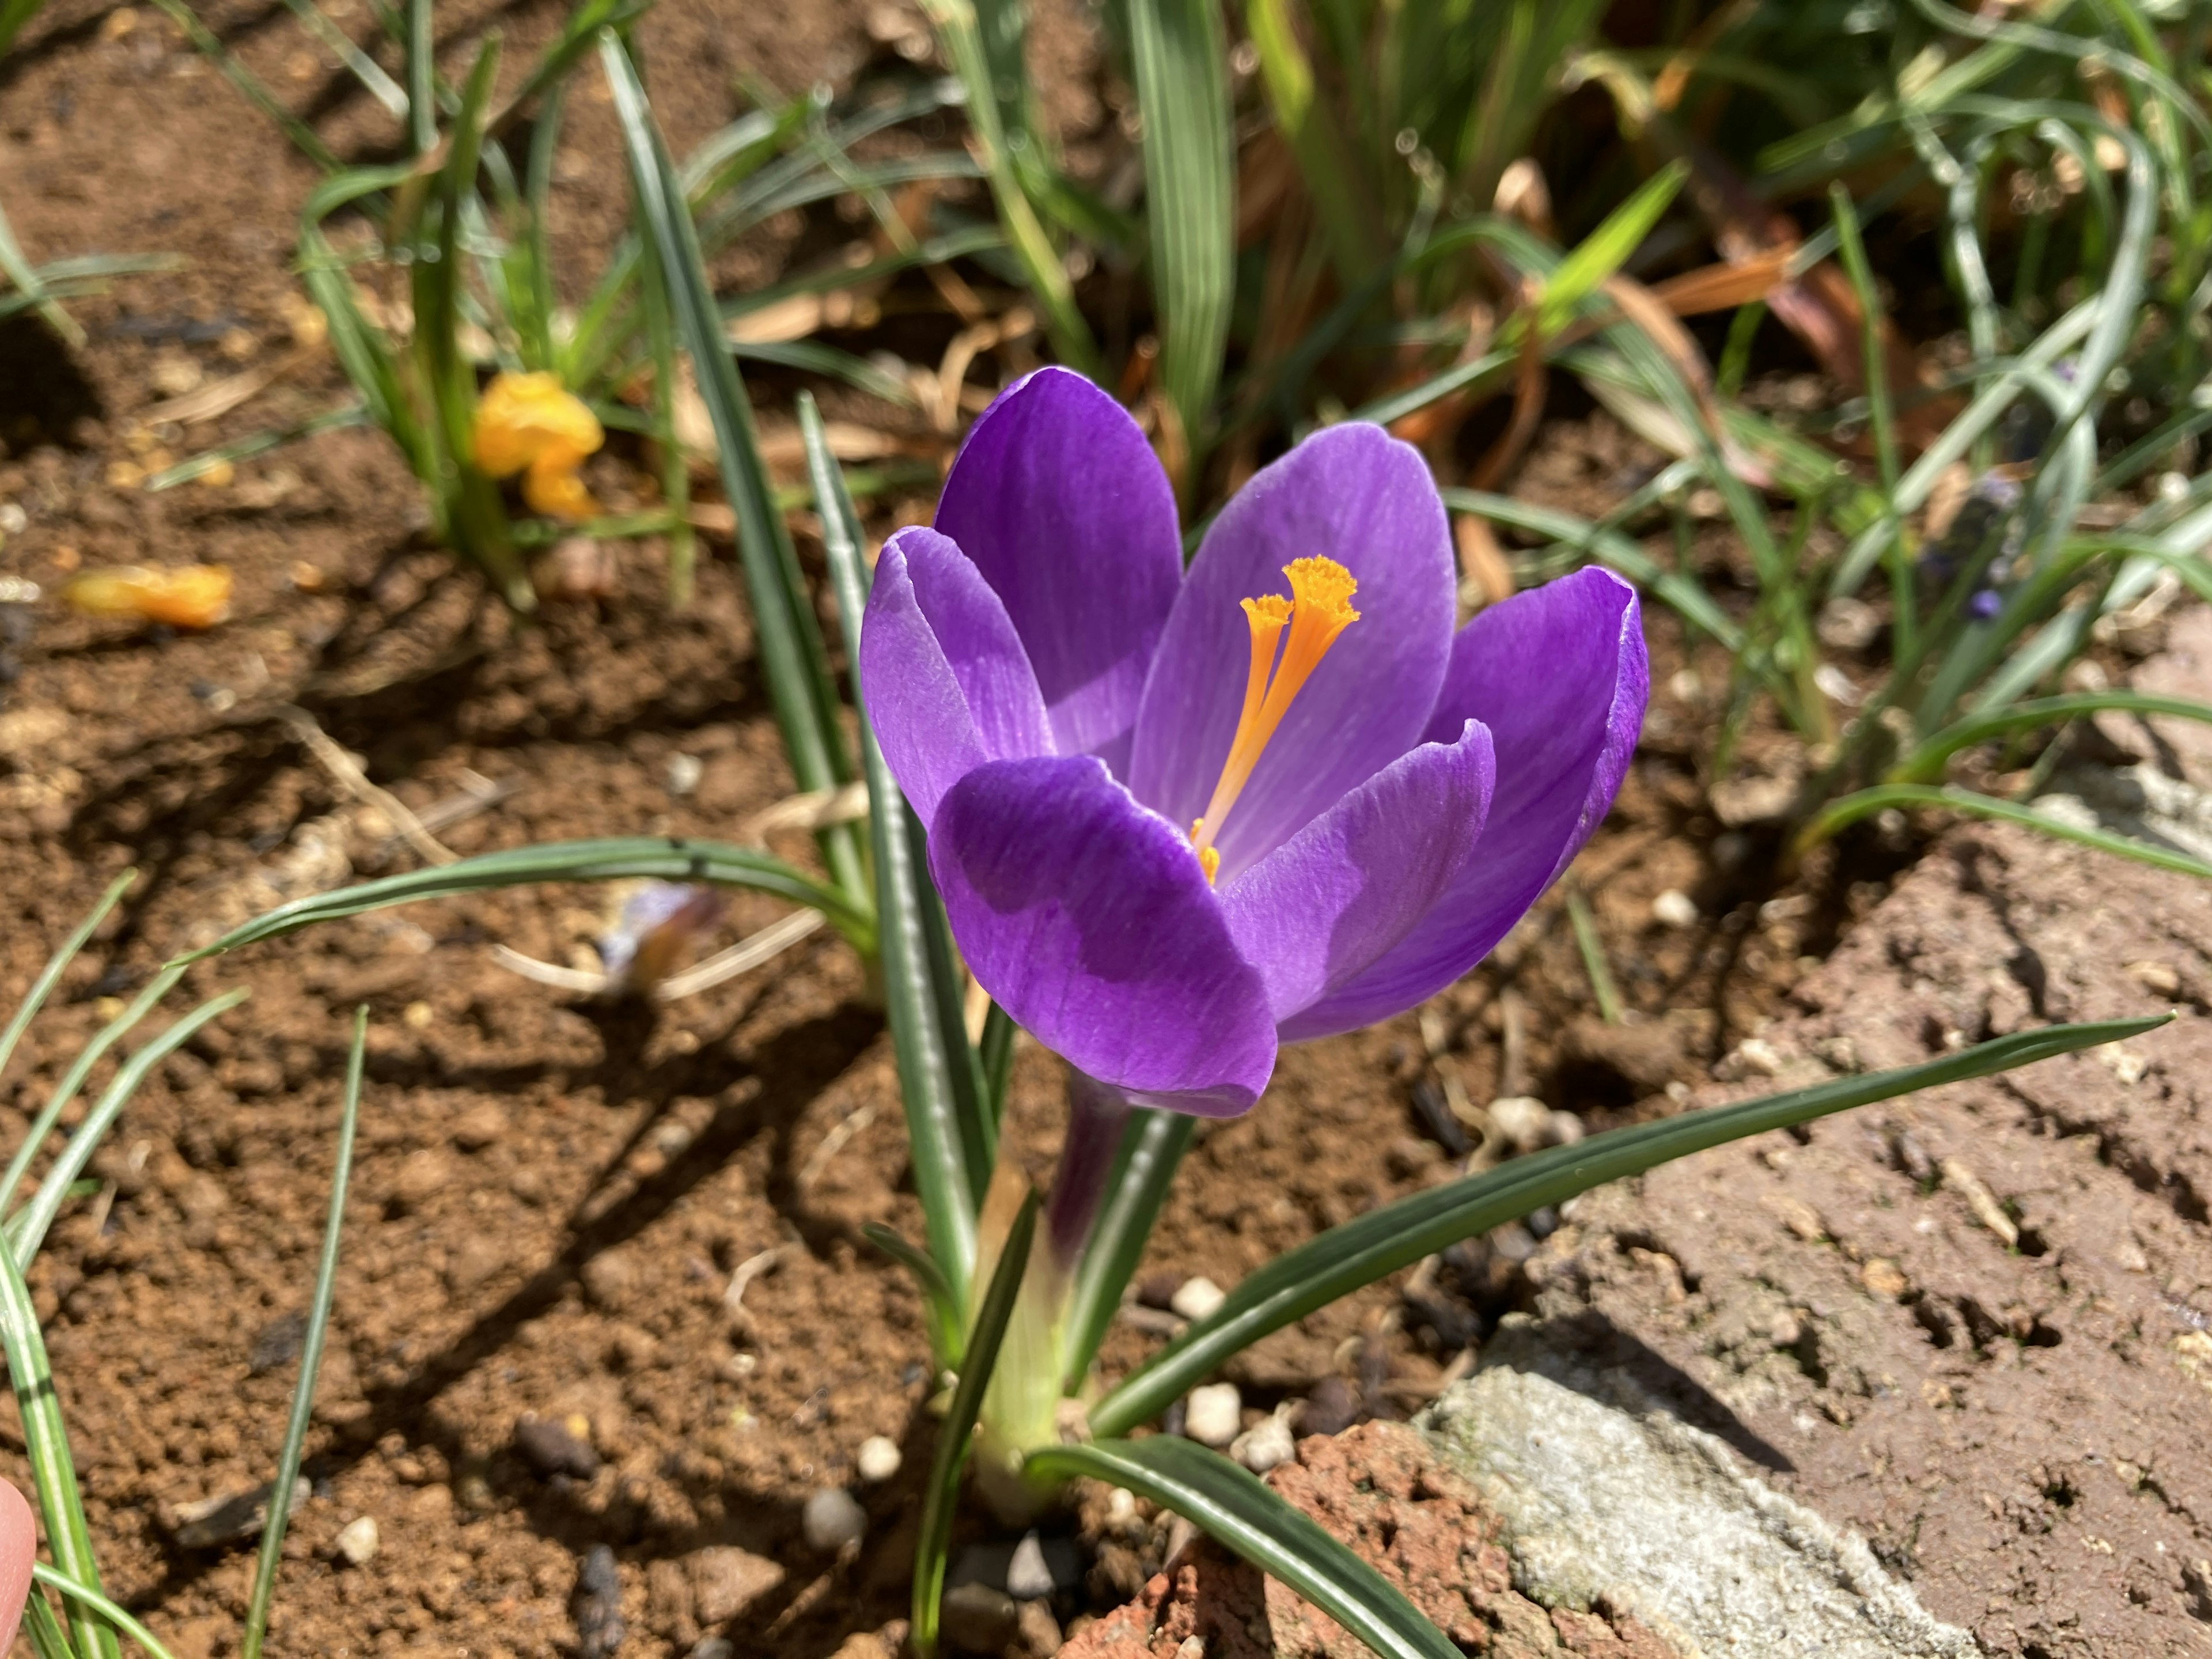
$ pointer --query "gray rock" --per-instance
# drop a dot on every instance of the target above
(550, 1449)
(1055, 1562)
(1028, 1578)
(1605, 1496)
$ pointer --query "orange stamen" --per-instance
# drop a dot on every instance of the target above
(1318, 610)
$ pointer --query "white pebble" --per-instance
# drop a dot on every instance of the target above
(878, 1459)
(1264, 1445)
(1523, 1121)
(683, 773)
(1213, 1414)
(1028, 1578)
(1675, 909)
(832, 1519)
(1195, 1299)
(357, 1541)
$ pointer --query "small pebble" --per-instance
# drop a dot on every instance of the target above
(1039, 1632)
(878, 1459)
(1264, 1445)
(684, 772)
(551, 1449)
(1028, 1578)
(1674, 909)
(596, 1605)
(1214, 1415)
(1197, 1298)
(357, 1541)
(1523, 1121)
(832, 1519)
(976, 1618)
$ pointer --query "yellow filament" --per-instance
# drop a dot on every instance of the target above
(1318, 610)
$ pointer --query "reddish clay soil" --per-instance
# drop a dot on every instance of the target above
(1379, 1488)
(554, 1197)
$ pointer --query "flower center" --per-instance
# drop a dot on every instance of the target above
(1318, 610)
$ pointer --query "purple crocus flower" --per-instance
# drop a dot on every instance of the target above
(1178, 819)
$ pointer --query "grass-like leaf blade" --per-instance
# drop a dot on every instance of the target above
(662, 857)
(57, 964)
(26, 1230)
(789, 639)
(943, 1144)
(53, 1469)
(1238, 1510)
(944, 1333)
(311, 1355)
(1343, 1259)
(1181, 64)
(955, 1435)
(1867, 802)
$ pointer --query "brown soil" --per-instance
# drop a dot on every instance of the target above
(553, 1199)
(1972, 1325)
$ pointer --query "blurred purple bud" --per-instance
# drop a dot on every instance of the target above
(659, 927)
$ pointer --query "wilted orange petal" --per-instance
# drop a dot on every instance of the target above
(190, 596)
(523, 419)
(551, 487)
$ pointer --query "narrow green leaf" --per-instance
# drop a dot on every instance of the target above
(53, 1470)
(31, 284)
(941, 1142)
(787, 636)
(1599, 257)
(945, 1331)
(40, 1628)
(1181, 62)
(1925, 764)
(958, 1433)
(1396, 1236)
(1867, 802)
(311, 1355)
(1237, 1510)
(113, 1612)
(1346, 211)
(421, 79)
(26, 1229)
(250, 85)
(1592, 950)
(365, 68)
(330, 420)
(960, 33)
(1151, 1151)
(1608, 548)
(49, 976)
(662, 857)
(73, 1079)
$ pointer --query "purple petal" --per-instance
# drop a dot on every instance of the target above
(1336, 896)
(1058, 499)
(943, 676)
(1560, 678)
(1088, 920)
(1357, 495)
